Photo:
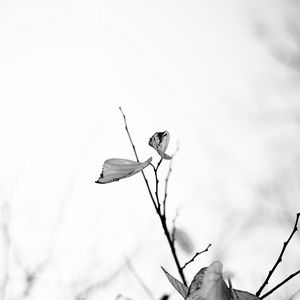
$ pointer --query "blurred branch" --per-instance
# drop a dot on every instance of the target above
(122, 297)
(32, 275)
(84, 294)
(167, 179)
(174, 225)
(295, 295)
(139, 279)
(285, 244)
(7, 246)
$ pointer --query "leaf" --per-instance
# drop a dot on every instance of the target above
(242, 295)
(160, 141)
(208, 284)
(115, 169)
(180, 287)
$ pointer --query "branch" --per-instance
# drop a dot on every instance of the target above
(193, 258)
(161, 216)
(137, 158)
(285, 244)
(279, 285)
(155, 169)
(94, 287)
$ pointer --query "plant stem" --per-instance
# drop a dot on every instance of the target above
(161, 215)
(196, 254)
(279, 285)
(172, 247)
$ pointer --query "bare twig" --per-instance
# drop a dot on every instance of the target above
(137, 158)
(193, 258)
(279, 285)
(92, 288)
(155, 169)
(161, 216)
(285, 244)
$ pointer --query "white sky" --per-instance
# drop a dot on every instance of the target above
(198, 69)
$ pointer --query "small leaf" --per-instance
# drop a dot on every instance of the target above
(160, 141)
(180, 287)
(115, 169)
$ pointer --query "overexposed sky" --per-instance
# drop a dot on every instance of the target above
(212, 73)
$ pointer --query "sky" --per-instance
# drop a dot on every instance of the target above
(221, 77)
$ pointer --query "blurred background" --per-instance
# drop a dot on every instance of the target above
(221, 76)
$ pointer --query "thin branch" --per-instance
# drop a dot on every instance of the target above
(94, 287)
(285, 244)
(126, 127)
(162, 217)
(137, 158)
(193, 258)
(172, 247)
(156, 185)
(279, 285)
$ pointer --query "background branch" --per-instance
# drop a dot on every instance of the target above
(139, 279)
(167, 179)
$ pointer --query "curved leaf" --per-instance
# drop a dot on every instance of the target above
(180, 287)
(115, 169)
(208, 284)
(160, 141)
